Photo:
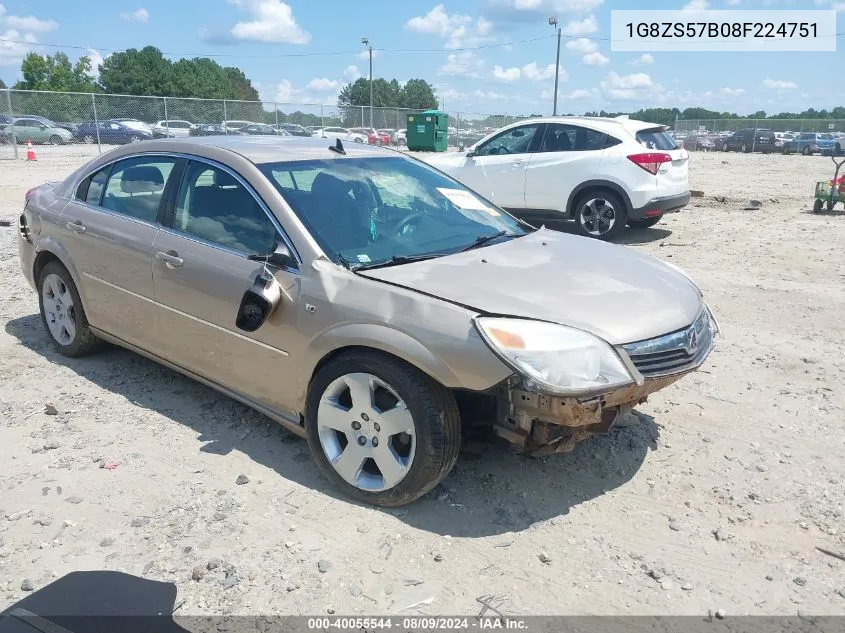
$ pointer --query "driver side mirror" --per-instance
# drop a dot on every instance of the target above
(471, 154)
(281, 257)
(42, 126)
(258, 302)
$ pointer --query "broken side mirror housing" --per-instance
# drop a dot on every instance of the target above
(259, 302)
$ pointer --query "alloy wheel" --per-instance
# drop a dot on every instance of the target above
(366, 431)
(597, 216)
(88, 139)
(59, 309)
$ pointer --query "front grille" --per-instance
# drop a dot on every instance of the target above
(676, 352)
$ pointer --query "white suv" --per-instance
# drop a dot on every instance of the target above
(603, 173)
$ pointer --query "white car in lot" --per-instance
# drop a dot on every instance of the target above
(172, 128)
(603, 173)
(340, 132)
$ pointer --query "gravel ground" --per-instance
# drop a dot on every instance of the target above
(716, 499)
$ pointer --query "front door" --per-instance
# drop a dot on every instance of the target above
(497, 168)
(108, 230)
(201, 271)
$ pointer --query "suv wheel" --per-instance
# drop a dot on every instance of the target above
(56, 140)
(806, 151)
(724, 147)
(744, 148)
(600, 214)
(62, 313)
(381, 430)
(88, 139)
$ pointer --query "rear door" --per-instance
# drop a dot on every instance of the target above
(29, 130)
(201, 271)
(566, 156)
(673, 176)
(108, 230)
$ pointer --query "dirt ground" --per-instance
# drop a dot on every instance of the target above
(716, 499)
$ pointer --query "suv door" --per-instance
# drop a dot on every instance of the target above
(566, 156)
(496, 169)
(201, 271)
(108, 230)
(29, 130)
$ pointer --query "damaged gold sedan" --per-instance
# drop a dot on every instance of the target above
(363, 299)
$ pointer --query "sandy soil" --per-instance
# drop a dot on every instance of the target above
(717, 499)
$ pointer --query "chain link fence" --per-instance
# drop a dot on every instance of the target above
(104, 120)
(793, 126)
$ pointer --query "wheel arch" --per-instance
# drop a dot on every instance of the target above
(596, 185)
(49, 251)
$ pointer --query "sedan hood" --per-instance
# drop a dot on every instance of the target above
(612, 291)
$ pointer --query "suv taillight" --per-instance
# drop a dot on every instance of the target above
(650, 161)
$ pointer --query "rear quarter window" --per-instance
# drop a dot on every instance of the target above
(656, 139)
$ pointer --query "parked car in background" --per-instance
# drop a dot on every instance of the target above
(808, 143)
(750, 140)
(135, 124)
(389, 133)
(375, 137)
(400, 137)
(342, 133)
(261, 129)
(111, 133)
(234, 125)
(602, 173)
(5, 119)
(364, 301)
(171, 129)
(207, 129)
(294, 130)
(781, 138)
(37, 131)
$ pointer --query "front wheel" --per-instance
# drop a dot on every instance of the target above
(744, 148)
(89, 139)
(379, 429)
(600, 214)
(134, 139)
(62, 313)
(645, 224)
(805, 151)
(56, 140)
(724, 147)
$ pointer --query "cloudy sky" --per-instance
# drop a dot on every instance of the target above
(483, 56)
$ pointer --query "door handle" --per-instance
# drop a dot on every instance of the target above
(76, 226)
(171, 259)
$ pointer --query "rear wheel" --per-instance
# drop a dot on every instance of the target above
(88, 139)
(600, 214)
(724, 147)
(817, 206)
(62, 313)
(744, 148)
(830, 205)
(134, 138)
(805, 151)
(56, 140)
(645, 224)
(381, 430)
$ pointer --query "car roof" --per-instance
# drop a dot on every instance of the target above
(603, 123)
(268, 149)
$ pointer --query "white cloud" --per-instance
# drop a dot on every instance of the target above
(531, 71)
(12, 52)
(587, 26)
(140, 15)
(273, 22)
(506, 74)
(630, 87)
(582, 45)
(466, 64)
(286, 93)
(458, 30)
(322, 84)
(352, 73)
(595, 59)
(732, 92)
(643, 60)
(448, 94)
(365, 55)
(96, 61)
(489, 95)
(576, 95)
(696, 5)
(550, 7)
(31, 24)
(777, 84)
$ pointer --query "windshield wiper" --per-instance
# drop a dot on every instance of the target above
(396, 260)
(484, 239)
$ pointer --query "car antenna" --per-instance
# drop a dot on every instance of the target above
(338, 148)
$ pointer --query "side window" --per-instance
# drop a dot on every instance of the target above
(91, 189)
(136, 185)
(515, 141)
(214, 206)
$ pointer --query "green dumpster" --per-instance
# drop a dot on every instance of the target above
(428, 131)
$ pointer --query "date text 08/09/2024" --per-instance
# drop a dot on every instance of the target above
(420, 623)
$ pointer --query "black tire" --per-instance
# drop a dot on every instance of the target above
(134, 138)
(724, 147)
(806, 151)
(84, 342)
(619, 209)
(646, 223)
(437, 425)
(744, 149)
(56, 140)
(88, 139)
(817, 206)
(830, 206)
(837, 149)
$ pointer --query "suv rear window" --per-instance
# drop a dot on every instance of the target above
(656, 138)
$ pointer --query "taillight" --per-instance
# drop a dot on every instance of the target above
(650, 161)
(29, 194)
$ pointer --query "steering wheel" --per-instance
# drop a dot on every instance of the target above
(502, 150)
(409, 219)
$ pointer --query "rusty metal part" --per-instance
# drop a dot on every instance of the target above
(542, 424)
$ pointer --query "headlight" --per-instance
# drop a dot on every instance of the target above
(555, 358)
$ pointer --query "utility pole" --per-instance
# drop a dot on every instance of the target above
(553, 23)
(366, 42)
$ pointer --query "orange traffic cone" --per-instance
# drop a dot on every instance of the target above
(30, 153)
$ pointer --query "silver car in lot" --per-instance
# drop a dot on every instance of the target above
(361, 298)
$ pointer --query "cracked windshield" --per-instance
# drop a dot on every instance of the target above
(370, 211)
